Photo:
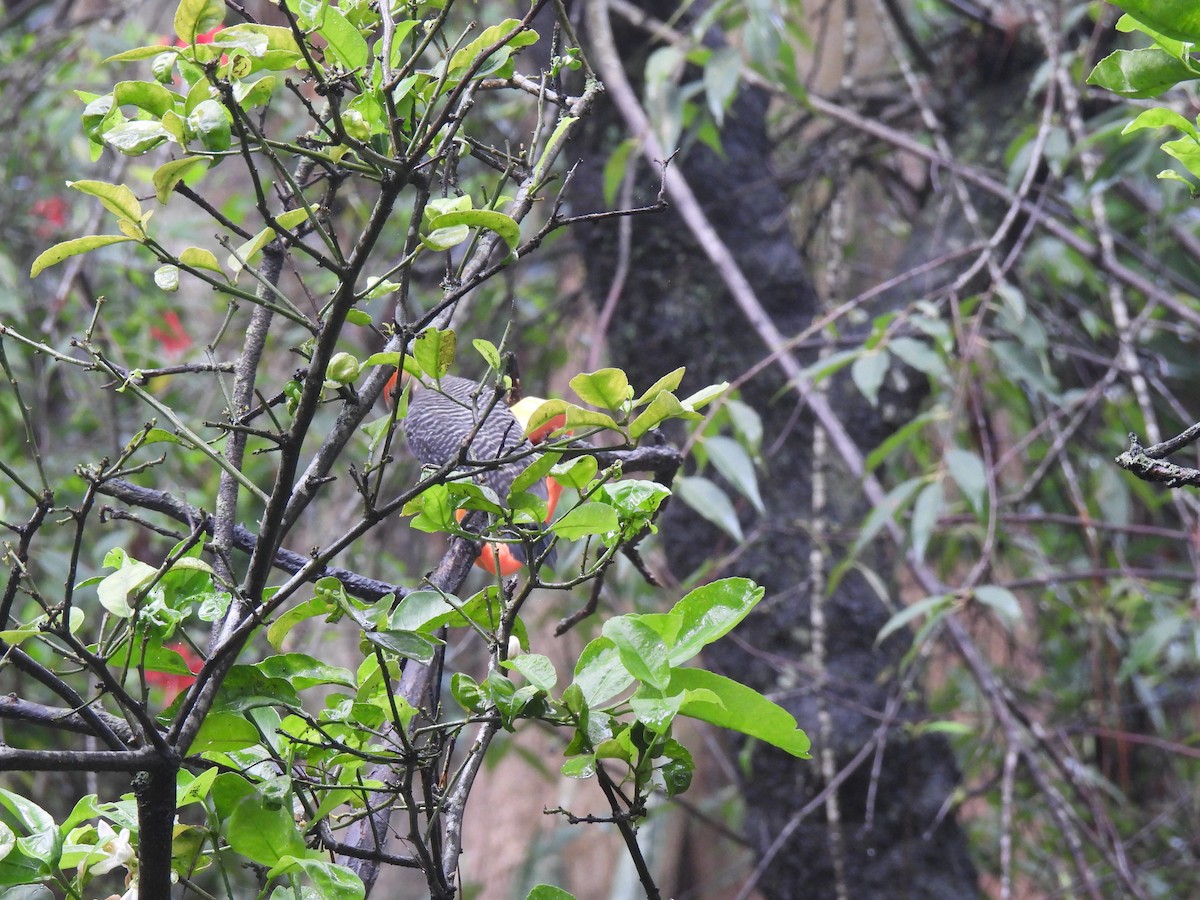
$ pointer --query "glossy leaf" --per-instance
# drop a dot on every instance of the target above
(642, 650)
(741, 709)
(67, 249)
(710, 502)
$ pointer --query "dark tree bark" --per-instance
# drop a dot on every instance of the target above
(895, 836)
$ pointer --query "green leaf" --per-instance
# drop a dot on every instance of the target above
(606, 388)
(330, 881)
(710, 502)
(225, 732)
(741, 709)
(245, 688)
(537, 669)
(115, 589)
(488, 351)
(1002, 601)
(924, 517)
(709, 613)
(74, 247)
(1179, 19)
(664, 406)
(600, 672)
(548, 892)
(587, 518)
(668, 382)
(264, 830)
(897, 498)
(734, 463)
(1187, 151)
(136, 137)
(138, 54)
(561, 130)
(577, 473)
(1160, 117)
(148, 95)
(195, 17)
(642, 650)
(199, 258)
(704, 396)
(434, 350)
(1136, 74)
(935, 607)
(211, 123)
(194, 789)
(346, 44)
(505, 226)
(722, 73)
(304, 671)
(36, 844)
(966, 468)
(171, 173)
(245, 254)
(167, 278)
(583, 766)
(615, 169)
(868, 372)
(116, 198)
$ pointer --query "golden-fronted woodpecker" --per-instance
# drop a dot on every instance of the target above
(440, 420)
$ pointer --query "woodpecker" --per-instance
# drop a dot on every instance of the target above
(438, 422)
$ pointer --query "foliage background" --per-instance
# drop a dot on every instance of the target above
(1002, 291)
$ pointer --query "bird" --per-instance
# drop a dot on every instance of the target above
(440, 418)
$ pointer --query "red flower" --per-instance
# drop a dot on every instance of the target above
(174, 340)
(173, 684)
(53, 213)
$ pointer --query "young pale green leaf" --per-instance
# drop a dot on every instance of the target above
(194, 17)
(583, 766)
(503, 225)
(56, 254)
(710, 502)
(116, 198)
(664, 406)
(740, 709)
(561, 130)
(966, 468)
(668, 382)
(317, 606)
(194, 789)
(434, 351)
(586, 519)
(537, 669)
(1187, 151)
(167, 278)
(606, 388)
(1160, 117)
(116, 588)
(657, 713)
(535, 472)
(734, 463)
(1001, 601)
(642, 650)
(705, 396)
(489, 352)
(244, 254)
(576, 473)
(199, 258)
(136, 137)
(210, 122)
(600, 672)
(139, 54)
(935, 607)
(445, 238)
